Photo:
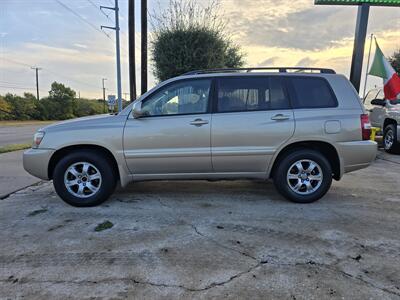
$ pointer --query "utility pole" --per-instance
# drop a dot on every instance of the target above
(37, 81)
(359, 43)
(118, 52)
(132, 61)
(104, 95)
(366, 72)
(144, 45)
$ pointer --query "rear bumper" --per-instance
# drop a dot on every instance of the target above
(36, 162)
(357, 155)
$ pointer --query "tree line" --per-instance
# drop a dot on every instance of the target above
(60, 104)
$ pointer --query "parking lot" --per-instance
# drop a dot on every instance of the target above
(202, 239)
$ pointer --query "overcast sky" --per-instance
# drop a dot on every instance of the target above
(63, 38)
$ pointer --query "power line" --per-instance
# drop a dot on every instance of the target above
(94, 5)
(83, 19)
(51, 72)
(71, 79)
(17, 88)
(87, 22)
(10, 82)
(16, 62)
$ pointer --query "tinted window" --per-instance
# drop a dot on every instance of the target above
(185, 97)
(251, 93)
(312, 93)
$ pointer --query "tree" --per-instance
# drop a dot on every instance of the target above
(189, 37)
(85, 107)
(395, 61)
(21, 108)
(64, 98)
(5, 109)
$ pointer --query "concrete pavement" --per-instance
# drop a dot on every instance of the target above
(13, 177)
(202, 240)
(389, 157)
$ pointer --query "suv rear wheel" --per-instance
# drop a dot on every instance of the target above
(303, 176)
(84, 178)
(390, 142)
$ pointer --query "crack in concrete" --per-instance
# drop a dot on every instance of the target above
(330, 267)
(388, 160)
(3, 197)
(208, 287)
(162, 203)
(366, 282)
(222, 245)
(136, 281)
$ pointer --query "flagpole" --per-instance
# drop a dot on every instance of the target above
(366, 73)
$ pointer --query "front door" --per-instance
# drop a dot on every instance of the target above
(173, 135)
(252, 120)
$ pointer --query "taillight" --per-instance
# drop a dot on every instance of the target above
(365, 127)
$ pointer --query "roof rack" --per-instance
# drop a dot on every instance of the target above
(278, 69)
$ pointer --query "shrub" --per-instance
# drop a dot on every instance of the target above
(189, 37)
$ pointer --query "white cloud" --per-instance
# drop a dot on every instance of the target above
(80, 46)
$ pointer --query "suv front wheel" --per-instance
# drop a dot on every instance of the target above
(303, 176)
(84, 178)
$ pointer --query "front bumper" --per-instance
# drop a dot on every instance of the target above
(357, 155)
(36, 162)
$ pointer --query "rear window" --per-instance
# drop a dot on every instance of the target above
(311, 92)
(251, 94)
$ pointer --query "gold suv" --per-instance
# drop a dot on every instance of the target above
(299, 127)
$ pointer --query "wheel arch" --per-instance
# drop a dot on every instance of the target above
(325, 148)
(389, 121)
(60, 153)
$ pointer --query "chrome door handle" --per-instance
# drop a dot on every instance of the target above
(199, 122)
(280, 117)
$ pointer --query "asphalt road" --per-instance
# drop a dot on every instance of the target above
(17, 134)
(207, 240)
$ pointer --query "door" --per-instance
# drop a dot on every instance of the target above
(252, 118)
(173, 135)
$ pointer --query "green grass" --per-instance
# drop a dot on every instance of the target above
(14, 147)
(104, 226)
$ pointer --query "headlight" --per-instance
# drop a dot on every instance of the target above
(37, 139)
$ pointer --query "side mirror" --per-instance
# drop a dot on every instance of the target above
(137, 110)
(379, 102)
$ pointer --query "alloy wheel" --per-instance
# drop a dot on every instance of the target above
(82, 179)
(304, 177)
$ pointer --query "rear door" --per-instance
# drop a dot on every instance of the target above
(252, 118)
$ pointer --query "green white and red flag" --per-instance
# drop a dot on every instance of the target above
(382, 68)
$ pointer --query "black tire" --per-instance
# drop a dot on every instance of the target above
(286, 163)
(105, 187)
(390, 132)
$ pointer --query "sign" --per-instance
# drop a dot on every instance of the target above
(111, 100)
(359, 2)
